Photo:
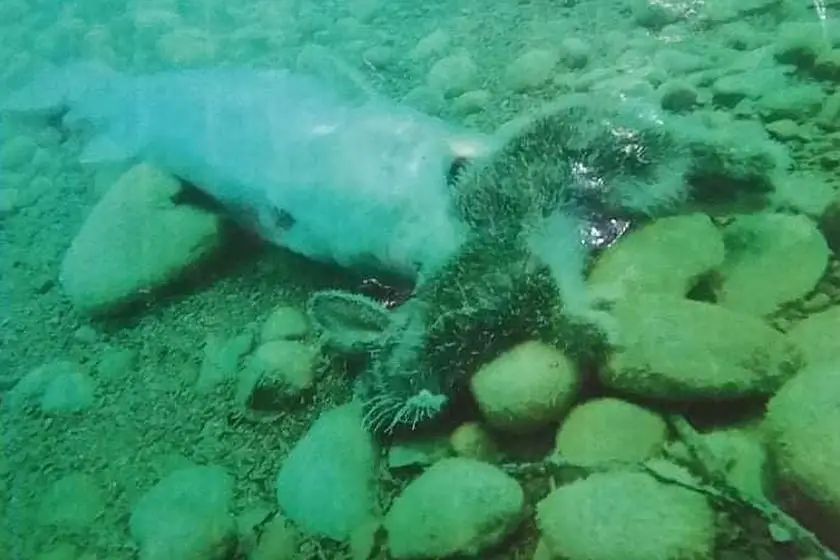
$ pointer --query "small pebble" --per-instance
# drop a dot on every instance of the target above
(379, 57)
(17, 152)
(531, 70)
(453, 75)
(678, 96)
(574, 53)
(432, 44)
(10, 201)
(471, 102)
(285, 323)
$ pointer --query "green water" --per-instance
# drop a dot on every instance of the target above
(549, 280)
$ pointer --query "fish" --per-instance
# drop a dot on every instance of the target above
(364, 184)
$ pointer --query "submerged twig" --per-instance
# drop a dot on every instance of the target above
(703, 474)
(716, 484)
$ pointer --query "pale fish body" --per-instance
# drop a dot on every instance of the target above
(359, 184)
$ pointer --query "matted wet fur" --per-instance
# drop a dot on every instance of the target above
(492, 297)
(569, 170)
(595, 157)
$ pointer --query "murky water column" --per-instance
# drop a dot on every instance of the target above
(822, 15)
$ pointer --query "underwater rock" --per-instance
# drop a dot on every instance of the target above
(116, 362)
(276, 376)
(432, 44)
(73, 502)
(676, 349)
(731, 158)
(799, 43)
(816, 335)
(799, 103)
(327, 482)
(678, 96)
(184, 47)
(739, 455)
(609, 430)
(10, 201)
(278, 541)
(456, 507)
(285, 323)
(804, 447)
(628, 515)
(472, 440)
(531, 70)
(17, 152)
(417, 452)
(830, 223)
(136, 240)
(186, 516)
(666, 257)
(68, 393)
(808, 193)
(771, 259)
(453, 75)
(473, 101)
(575, 53)
(221, 359)
(526, 387)
(57, 387)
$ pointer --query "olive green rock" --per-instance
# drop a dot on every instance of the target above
(667, 257)
(817, 336)
(771, 259)
(137, 239)
(609, 430)
(627, 515)
(672, 348)
(458, 506)
(804, 445)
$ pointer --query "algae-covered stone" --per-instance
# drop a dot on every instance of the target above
(627, 515)
(136, 240)
(453, 75)
(743, 459)
(58, 387)
(473, 441)
(804, 445)
(276, 375)
(222, 359)
(186, 516)
(531, 70)
(816, 336)
(610, 430)
(457, 507)
(526, 388)
(285, 323)
(326, 484)
(672, 348)
(667, 257)
(72, 502)
(68, 393)
(771, 259)
(278, 541)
